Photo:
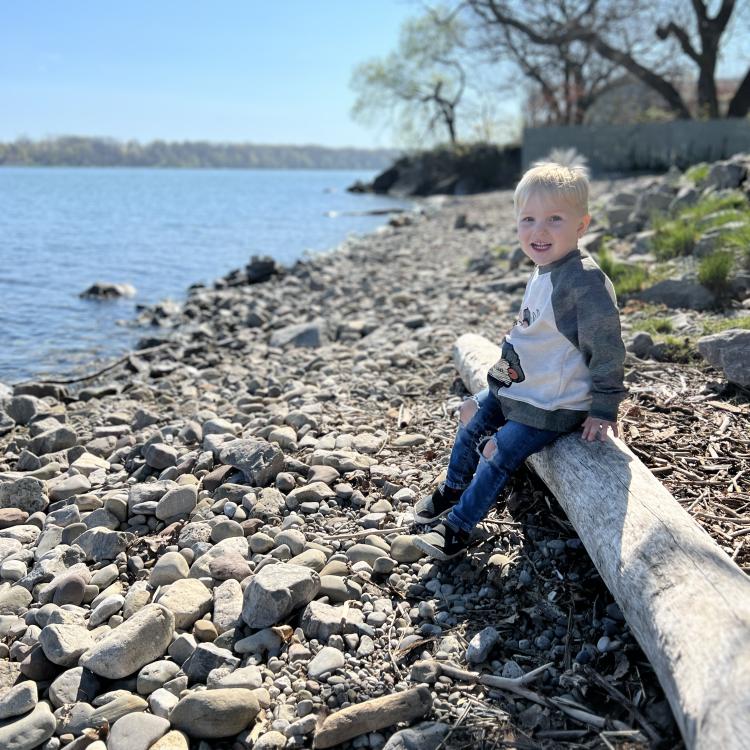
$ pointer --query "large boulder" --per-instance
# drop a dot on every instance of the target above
(679, 293)
(729, 351)
(726, 175)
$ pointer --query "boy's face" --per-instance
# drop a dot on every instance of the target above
(549, 227)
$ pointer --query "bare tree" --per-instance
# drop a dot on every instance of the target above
(566, 79)
(710, 31)
(623, 32)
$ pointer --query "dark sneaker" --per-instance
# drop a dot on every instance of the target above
(436, 505)
(442, 543)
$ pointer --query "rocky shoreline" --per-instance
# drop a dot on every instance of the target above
(209, 544)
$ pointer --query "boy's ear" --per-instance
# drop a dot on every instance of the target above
(584, 225)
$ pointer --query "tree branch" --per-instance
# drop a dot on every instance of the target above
(588, 36)
(681, 35)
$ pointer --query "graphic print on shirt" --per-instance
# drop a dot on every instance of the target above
(507, 370)
(524, 321)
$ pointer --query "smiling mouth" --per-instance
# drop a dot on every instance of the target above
(541, 246)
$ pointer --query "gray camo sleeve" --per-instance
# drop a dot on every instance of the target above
(600, 342)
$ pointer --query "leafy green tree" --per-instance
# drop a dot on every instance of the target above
(418, 87)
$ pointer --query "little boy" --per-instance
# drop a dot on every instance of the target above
(561, 363)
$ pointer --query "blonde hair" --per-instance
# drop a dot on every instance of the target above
(571, 183)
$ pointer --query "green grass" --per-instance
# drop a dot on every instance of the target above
(739, 241)
(674, 237)
(677, 236)
(718, 202)
(655, 325)
(714, 270)
(698, 172)
(631, 280)
(626, 278)
(718, 220)
(723, 324)
(607, 261)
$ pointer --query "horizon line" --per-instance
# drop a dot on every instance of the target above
(62, 136)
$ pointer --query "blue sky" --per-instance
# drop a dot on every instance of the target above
(227, 70)
(266, 72)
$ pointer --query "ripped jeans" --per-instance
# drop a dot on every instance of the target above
(483, 478)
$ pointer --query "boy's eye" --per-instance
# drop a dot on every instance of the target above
(556, 218)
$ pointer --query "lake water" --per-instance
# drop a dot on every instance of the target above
(160, 230)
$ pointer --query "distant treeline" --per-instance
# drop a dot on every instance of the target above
(78, 151)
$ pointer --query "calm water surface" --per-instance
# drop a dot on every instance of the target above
(160, 230)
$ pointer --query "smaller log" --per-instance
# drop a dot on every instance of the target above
(373, 715)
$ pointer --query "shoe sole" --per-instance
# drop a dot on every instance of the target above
(435, 552)
(430, 519)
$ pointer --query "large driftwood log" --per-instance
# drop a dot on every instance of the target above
(686, 602)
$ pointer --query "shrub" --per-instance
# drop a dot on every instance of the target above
(714, 270)
(673, 237)
(698, 172)
(738, 239)
(677, 236)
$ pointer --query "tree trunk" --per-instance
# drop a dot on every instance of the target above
(686, 602)
(740, 104)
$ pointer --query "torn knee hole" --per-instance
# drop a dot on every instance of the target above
(490, 447)
(467, 410)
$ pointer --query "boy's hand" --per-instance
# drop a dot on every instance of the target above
(596, 429)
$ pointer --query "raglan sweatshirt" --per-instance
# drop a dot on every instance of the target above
(563, 358)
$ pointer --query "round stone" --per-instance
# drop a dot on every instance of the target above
(13, 570)
(170, 567)
(222, 712)
(231, 566)
(28, 731)
(70, 591)
(328, 659)
(136, 731)
(225, 530)
(205, 631)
